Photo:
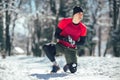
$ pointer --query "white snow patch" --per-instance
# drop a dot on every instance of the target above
(34, 68)
(19, 50)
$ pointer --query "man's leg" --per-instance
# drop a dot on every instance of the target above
(71, 59)
(55, 66)
(50, 51)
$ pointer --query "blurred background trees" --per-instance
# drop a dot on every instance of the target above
(25, 25)
(114, 40)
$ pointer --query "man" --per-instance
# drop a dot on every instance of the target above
(70, 33)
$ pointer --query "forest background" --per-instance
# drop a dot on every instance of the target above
(26, 25)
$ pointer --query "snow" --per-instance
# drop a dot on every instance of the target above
(34, 68)
(19, 50)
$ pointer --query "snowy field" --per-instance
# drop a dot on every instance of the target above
(32, 68)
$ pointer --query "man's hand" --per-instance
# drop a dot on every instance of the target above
(70, 40)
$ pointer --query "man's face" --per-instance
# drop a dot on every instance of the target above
(77, 17)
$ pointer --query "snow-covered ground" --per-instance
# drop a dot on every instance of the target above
(32, 68)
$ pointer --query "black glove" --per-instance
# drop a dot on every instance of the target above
(69, 39)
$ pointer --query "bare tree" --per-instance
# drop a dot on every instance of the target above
(2, 45)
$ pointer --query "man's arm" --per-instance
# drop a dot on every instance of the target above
(57, 34)
(81, 41)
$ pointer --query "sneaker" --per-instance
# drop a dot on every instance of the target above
(55, 68)
(65, 68)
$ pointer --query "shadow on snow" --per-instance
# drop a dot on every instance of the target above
(48, 76)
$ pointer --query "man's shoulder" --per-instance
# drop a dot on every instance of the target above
(83, 25)
(83, 28)
(63, 22)
(66, 19)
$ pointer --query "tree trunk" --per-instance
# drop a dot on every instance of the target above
(1, 30)
(99, 43)
(8, 43)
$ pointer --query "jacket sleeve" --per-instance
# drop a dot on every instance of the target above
(57, 34)
(81, 41)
